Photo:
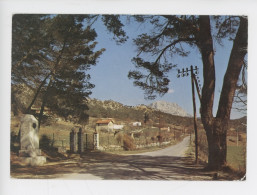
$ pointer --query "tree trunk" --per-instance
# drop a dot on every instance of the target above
(218, 148)
(44, 102)
(28, 110)
(216, 128)
(206, 49)
(217, 144)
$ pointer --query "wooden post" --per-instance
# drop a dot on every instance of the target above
(194, 109)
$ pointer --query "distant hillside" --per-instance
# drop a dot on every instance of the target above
(170, 108)
(112, 109)
(21, 97)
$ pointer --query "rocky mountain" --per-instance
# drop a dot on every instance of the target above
(170, 108)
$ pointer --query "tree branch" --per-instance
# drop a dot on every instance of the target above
(172, 44)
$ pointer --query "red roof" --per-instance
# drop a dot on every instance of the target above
(104, 121)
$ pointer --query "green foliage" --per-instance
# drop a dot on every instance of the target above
(114, 25)
(154, 82)
(28, 43)
(52, 55)
(156, 48)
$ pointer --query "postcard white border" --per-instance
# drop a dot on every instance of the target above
(208, 7)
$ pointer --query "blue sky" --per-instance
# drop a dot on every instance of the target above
(110, 74)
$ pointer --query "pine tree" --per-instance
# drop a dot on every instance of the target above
(66, 51)
(170, 35)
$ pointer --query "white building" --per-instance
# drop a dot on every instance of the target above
(136, 124)
(118, 127)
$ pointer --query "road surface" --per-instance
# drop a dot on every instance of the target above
(165, 164)
(177, 150)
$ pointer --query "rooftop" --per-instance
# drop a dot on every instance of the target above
(104, 121)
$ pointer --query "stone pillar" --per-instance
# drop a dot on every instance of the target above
(80, 141)
(96, 141)
(29, 152)
(73, 141)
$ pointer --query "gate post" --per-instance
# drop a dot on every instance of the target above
(80, 141)
(73, 141)
(96, 140)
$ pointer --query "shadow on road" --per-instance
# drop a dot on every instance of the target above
(114, 167)
(145, 168)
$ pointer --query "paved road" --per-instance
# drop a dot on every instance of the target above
(177, 150)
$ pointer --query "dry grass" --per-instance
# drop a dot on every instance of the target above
(236, 151)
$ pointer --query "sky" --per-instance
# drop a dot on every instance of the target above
(112, 83)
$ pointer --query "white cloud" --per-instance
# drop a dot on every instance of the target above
(171, 91)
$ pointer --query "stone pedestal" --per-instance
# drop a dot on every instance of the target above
(26, 153)
(34, 161)
(29, 152)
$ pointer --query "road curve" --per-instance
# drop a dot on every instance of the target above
(177, 150)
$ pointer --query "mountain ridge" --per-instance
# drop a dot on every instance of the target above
(170, 108)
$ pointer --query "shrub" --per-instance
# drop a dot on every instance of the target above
(45, 142)
(119, 138)
(128, 143)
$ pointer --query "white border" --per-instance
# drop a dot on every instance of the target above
(208, 7)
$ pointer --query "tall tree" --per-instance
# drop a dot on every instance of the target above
(66, 51)
(170, 36)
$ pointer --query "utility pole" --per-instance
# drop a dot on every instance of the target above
(193, 72)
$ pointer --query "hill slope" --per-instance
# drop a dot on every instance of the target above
(112, 109)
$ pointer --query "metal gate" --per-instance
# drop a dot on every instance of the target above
(88, 139)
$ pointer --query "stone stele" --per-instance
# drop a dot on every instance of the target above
(30, 153)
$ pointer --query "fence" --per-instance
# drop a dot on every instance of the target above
(79, 141)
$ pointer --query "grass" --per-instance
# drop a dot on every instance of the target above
(236, 157)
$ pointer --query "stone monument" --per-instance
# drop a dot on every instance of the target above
(29, 152)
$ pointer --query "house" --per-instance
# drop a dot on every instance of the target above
(118, 127)
(136, 124)
(165, 129)
(104, 125)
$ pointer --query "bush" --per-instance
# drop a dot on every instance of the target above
(45, 142)
(128, 143)
(119, 138)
